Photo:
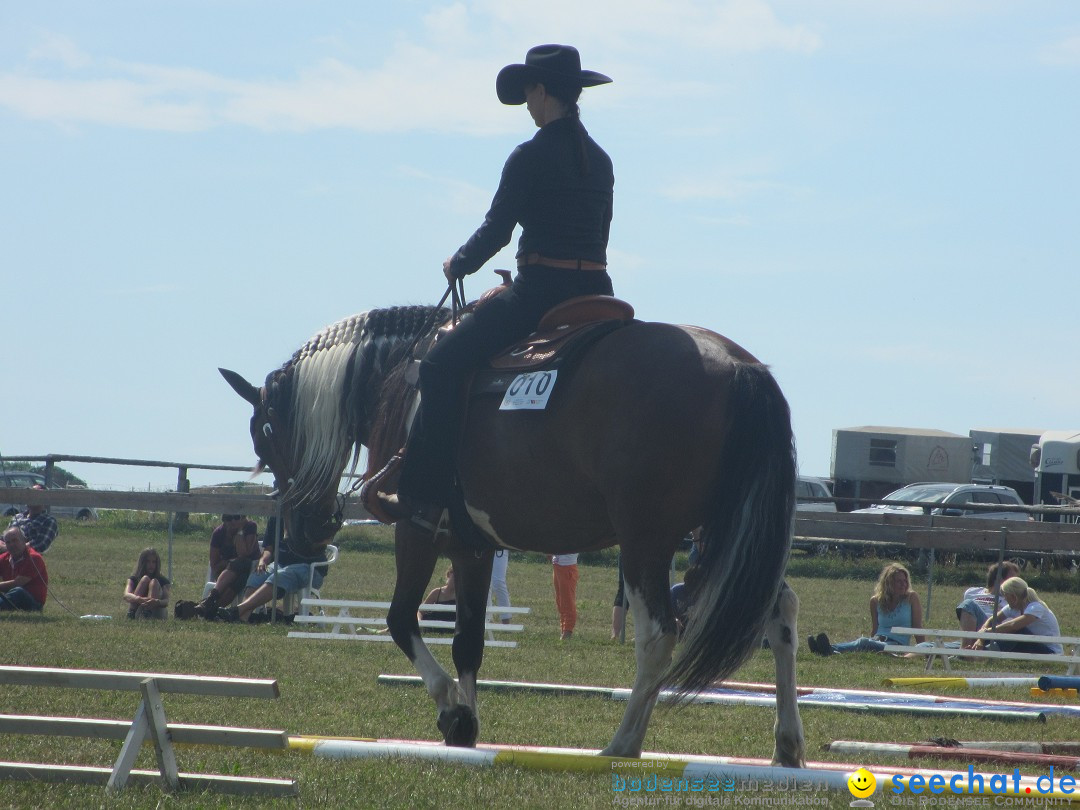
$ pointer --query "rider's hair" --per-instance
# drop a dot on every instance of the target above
(569, 94)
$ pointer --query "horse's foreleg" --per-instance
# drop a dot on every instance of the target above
(416, 556)
(654, 639)
(472, 573)
(781, 628)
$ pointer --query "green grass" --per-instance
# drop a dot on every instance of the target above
(330, 688)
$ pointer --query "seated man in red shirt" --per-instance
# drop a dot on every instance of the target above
(24, 579)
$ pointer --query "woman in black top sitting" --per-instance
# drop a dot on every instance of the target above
(147, 591)
(445, 595)
(558, 187)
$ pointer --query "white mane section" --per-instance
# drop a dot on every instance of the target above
(322, 439)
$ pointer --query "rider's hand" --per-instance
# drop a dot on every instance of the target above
(446, 270)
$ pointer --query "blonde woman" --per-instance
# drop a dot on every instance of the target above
(1026, 614)
(893, 604)
(147, 591)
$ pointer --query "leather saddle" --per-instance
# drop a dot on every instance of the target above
(560, 329)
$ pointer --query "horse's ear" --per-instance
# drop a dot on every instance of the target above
(241, 386)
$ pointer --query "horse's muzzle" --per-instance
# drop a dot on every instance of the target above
(309, 534)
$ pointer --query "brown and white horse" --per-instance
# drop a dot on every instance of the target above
(658, 430)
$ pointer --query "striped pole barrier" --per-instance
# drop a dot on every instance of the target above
(1025, 746)
(720, 770)
(852, 699)
(912, 751)
(958, 683)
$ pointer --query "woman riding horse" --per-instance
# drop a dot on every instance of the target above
(558, 186)
(657, 429)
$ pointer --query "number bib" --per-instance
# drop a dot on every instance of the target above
(529, 391)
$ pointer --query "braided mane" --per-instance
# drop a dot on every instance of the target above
(328, 393)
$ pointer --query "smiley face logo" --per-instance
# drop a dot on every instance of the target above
(861, 783)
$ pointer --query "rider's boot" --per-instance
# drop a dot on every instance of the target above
(401, 507)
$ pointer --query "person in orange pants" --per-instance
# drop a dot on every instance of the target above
(564, 575)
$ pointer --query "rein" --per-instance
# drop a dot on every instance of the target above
(456, 292)
(457, 304)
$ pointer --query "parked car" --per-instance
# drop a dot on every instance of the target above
(24, 480)
(950, 498)
(810, 487)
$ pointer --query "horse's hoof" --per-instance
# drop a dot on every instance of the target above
(459, 727)
(792, 757)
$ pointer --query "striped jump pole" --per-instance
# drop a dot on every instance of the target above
(822, 775)
(1024, 746)
(915, 751)
(959, 683)
(850, 699)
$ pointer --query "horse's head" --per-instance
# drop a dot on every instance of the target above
(329, 399)
(310, 512)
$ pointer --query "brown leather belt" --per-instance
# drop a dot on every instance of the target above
(562, 264)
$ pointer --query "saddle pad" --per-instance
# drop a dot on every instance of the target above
(537, 349)
(539, 352)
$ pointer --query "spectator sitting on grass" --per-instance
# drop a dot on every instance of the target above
(893, 604)
(38, 526)
(1026, 614)
(445, 595)
(24, 579)
(979, 603)
(147, 591)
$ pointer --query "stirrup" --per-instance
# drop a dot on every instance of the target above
(369, 492)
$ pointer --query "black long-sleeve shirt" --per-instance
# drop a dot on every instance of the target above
(564, 212)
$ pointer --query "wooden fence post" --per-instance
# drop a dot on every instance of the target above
(182, 485)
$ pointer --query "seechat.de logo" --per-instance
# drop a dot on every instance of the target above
(862, 783)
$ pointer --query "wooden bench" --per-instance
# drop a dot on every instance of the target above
(149, 724)
(344, 626)
(1070, 645)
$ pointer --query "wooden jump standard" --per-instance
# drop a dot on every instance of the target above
(149, 723)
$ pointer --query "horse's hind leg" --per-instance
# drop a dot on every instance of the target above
(781, 628)
(654, 639)
(416, 555)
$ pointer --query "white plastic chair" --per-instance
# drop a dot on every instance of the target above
(296, 599)
(209, 586)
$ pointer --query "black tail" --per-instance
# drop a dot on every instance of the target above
(747, 534)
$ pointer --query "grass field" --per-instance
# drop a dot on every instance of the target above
(330, 688)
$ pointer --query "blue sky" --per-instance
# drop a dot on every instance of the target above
(879, 199)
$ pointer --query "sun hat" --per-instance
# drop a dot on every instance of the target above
(558, 65)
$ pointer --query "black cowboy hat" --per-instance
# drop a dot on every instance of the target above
(558, 65)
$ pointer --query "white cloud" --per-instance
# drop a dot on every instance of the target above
(56, 48)
(1064, 53)
(418, 86)
(113, 102)
(456, 196)
(149, 290)
(725, 187)
(735, 26)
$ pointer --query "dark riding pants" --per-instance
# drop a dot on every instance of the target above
(430, 460)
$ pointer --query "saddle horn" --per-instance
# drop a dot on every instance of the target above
(241, 386)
